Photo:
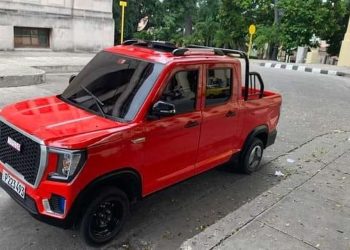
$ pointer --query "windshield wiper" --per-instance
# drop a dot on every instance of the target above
(98, 102)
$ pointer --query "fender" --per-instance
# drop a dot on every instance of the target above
(134, 192)
(261, 132)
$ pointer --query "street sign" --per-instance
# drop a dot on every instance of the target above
(123, 3)
(252, 29)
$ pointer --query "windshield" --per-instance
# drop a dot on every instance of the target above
(113, 86)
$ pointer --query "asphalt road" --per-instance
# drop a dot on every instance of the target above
(312, 105)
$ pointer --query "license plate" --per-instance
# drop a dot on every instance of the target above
(10, 181)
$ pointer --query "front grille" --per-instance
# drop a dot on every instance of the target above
(27, 160)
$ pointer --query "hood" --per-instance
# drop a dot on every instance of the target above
(51, 119)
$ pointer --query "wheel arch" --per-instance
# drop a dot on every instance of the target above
(127, 179)
(261, 132)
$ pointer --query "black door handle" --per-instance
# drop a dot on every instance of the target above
(230, 114)
(191, 124)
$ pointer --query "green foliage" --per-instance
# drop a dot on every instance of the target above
(225, 22)
(302, 19)
(339, 15)
(266, 34)
(299, 21)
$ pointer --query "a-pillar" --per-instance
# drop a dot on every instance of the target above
(344, 56)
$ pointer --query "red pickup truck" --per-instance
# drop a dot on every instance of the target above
(138, 118)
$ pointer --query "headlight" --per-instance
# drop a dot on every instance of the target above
(69, 164)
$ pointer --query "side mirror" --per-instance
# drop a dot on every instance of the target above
(162, 109)
(71, 78)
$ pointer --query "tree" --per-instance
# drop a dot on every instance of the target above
(207, 22)
(225, 22)
(236, 16)
(339, 13)
(267, 34)
(302, 19)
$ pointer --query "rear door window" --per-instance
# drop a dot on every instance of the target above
(218, 86)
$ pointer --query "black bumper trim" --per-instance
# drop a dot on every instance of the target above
(271, 138)
(27, 203)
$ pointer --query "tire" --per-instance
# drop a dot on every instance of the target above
(104, 217)
(251, 156)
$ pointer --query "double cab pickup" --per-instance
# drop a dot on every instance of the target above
(138, 118)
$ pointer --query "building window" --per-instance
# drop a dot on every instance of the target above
(26, 37)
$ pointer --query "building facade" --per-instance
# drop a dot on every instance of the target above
(344, 58)
(59, 25)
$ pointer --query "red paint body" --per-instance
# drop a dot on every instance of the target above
(170, 153)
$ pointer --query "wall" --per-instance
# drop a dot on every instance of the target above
(76, 25)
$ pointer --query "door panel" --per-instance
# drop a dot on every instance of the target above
(216, 144)
(172, 142)
(170, 150)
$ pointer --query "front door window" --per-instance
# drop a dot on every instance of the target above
(181, 91)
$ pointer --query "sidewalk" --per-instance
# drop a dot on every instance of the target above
(310, 68)
(38, 59)
(308, 209)
(20, 68)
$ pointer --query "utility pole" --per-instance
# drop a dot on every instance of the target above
(122, 4)
(344, 56)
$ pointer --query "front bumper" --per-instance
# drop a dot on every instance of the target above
(30, 204)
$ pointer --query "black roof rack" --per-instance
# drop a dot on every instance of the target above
(233, 53)
(156, 45)
(130, 42)
(182, 51)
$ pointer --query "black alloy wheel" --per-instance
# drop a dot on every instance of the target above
(105, 217)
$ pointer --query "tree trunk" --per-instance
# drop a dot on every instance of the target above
(277, 19)
(274, 52)
(188, 24)
(274, 46)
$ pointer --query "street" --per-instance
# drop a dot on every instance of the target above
(313, 105)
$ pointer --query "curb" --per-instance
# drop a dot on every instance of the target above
(304, 69)
(10, 76)
(216, 234)
(60, 68)
(35, 75)
(22, 80)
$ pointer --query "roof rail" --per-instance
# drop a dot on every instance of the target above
(131, 42)
(182, 51)
(230, 52)
(156, 45)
